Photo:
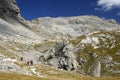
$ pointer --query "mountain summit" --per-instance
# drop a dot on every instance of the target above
(9, 8)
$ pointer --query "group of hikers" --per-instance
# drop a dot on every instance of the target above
(28, 62)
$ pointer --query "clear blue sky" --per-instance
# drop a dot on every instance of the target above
(31, 9)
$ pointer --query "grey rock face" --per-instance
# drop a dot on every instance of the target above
(96, 69)
(67, 59)
(112, 21)
(7, 64)
(9, 8)
(70, 56)
(71, 27)
(61, 56)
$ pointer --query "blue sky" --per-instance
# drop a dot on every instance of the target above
(31, 9)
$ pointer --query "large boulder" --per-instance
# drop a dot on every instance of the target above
(96, 72)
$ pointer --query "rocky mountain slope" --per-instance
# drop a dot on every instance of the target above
(87, 45)
(70, 27)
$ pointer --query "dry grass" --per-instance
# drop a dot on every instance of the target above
(13, 76)
(77, 40)
(43, 46)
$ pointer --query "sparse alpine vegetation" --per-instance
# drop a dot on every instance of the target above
(102, 47)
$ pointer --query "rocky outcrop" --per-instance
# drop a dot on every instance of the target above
(67, 59)
(7, 64)
(10, 11)
(9, 8)
(61, 56)
(112, 21)
(96, 69)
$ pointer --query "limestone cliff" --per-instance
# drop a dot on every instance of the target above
(9, 8)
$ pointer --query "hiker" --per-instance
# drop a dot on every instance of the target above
(28, 62)
(31, 62)
(21, 58)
